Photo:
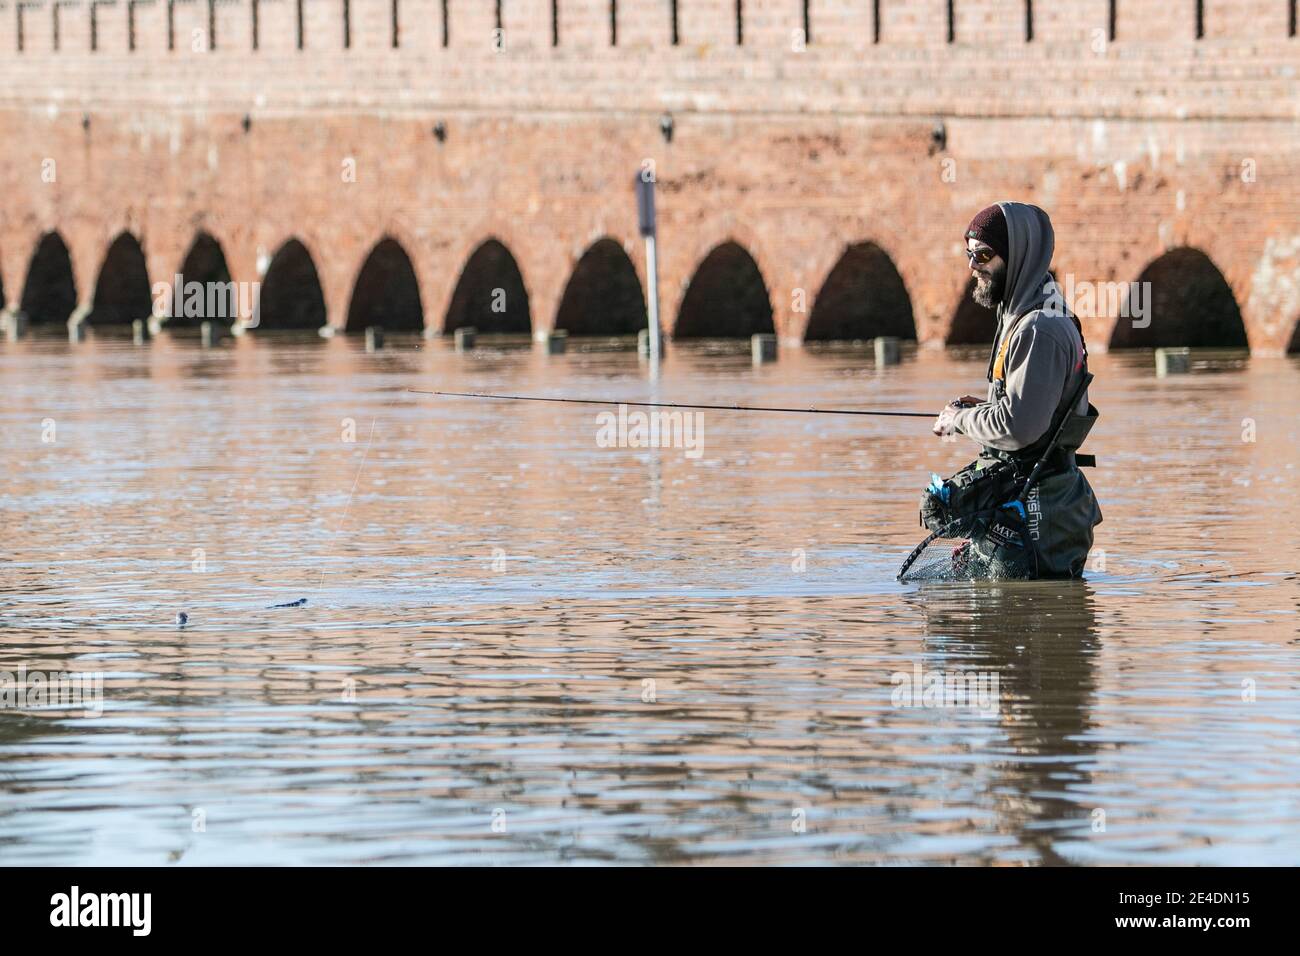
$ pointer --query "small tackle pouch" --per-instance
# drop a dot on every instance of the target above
(980, 486)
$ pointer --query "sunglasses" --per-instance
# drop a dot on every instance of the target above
(979, 255)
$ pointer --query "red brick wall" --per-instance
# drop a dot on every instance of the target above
(1135, 147)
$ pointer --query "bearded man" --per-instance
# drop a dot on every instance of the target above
(1037, 406)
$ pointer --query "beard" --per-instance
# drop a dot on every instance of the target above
(988, 292)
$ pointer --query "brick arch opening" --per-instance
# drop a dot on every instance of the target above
(50, 290)
(291, 296)
(1190, 304)
(863, 297)
(972, 324)
(386, 292)
(726, 298)
(603, 295)
(490, 294)
(122, 291)
(206, 292)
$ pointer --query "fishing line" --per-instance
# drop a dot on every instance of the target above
(719, 408)
(592, 401)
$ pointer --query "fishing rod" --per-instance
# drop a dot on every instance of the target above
(719, 408)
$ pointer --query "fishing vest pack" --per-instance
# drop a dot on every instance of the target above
(980, 486)
(978, 527)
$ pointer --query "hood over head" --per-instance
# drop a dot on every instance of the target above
(1031, 242)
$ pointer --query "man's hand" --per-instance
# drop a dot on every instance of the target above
(944, 426)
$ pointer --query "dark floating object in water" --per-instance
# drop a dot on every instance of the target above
(301, 602)
(182, 619)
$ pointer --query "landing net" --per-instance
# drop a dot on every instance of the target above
(991, 546)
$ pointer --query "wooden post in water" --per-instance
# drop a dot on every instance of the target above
(374, 338)
(465, 337)
(762, 347)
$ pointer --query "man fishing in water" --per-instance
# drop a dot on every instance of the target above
(1036, 414)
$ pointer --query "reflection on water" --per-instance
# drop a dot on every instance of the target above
(520, 647)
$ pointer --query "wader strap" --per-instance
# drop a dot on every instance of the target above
(1056, 437)
(993, 346)
(998, 354)
(999, 363)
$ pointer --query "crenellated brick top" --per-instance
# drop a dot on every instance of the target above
(1081, 58)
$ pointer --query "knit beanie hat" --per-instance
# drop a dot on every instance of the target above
(990, 227)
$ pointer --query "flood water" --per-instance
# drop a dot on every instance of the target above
(520, 647)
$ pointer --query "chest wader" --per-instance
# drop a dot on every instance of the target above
(984, 518)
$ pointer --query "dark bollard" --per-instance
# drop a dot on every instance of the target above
(210, 334)
(374, 338)
(555, 342)
(762, 347)
(465, 337)
(643, 345)
(1173, 361)
(886, 350)
(139, 331)
(77, 323)
(15, 324)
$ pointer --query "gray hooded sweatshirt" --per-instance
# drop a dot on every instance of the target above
(1044, 358)
(1043, 366)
